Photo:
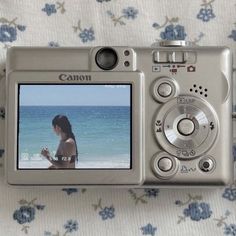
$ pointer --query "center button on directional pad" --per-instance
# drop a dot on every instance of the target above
(186, 127)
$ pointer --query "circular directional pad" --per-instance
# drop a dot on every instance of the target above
(186, 126)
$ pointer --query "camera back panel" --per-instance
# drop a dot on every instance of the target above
(182, 125)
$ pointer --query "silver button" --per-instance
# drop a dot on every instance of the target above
(186, 126)
(165, 164)
(178, 57)
(160, 57)
(190, 57)
(164, 89)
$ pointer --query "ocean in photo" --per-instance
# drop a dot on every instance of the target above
(102, 134)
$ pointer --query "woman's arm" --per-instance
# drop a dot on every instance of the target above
(65, 162)
(68, 149)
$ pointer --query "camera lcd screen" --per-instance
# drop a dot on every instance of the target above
(74, 126)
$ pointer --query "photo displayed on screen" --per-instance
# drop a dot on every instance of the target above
(74, 126)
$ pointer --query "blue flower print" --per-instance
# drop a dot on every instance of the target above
(1, 152)
(9, 30)
(104, 212)
(205, 14)
(151, 192)
(197, 211)
(2, 112)
(40, 207)
(173, 32)
(230, 230)
(178, 202)
(144, 195)
(130, 13)
(101, 1)
(21, 27)
(24, 214)
(47, 233)
(155, 25)
(71, 226)
(234, 149)
(149, 230)
(7, 33)
(69, 191)
(233, 35)
(50, 9)
(53, 44)
(107, 212)
(230, 194)
(87, 35)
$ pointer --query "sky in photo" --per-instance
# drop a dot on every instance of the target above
(75, 95)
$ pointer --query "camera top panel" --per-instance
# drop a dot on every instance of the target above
(112, 58)
(71, 59)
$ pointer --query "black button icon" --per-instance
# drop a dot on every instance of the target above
(191, 69)
(212, 126)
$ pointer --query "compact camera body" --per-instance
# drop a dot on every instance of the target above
(142, 117)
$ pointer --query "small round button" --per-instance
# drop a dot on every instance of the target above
(185, 126)
(165, 164)
(164, 89)
(206, 164)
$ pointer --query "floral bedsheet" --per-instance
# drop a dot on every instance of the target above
(153, 212)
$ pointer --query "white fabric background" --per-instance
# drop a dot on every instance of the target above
(160, 209)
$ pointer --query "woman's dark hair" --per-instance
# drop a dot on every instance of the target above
(63, 122)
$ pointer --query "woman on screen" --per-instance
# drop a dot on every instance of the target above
(67, 152)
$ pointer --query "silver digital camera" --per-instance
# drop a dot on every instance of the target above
(119, 116)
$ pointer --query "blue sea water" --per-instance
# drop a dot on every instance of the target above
(102, 134)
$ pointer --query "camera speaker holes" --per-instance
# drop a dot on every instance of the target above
(199, 89)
